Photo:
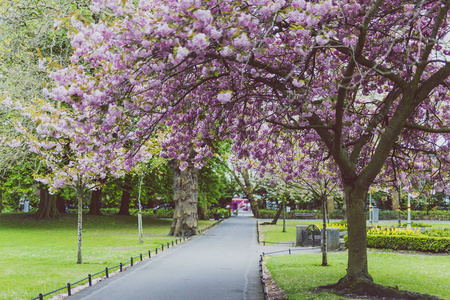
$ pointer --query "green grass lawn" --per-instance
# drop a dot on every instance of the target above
(40, 256)
(300, 274)
(274, 233)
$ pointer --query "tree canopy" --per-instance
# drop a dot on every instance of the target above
(365, 81)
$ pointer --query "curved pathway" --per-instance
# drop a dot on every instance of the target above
(219, 264)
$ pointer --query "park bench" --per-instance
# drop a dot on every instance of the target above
(304, 215)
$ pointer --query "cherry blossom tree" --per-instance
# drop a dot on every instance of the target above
(367, 81)
(65, 147)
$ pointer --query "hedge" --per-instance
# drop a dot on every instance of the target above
(409, 242)
(415, 215)
(223, 212)
(270, 213)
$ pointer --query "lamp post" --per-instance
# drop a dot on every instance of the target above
(284, 214)
(409, 212)
(141, 233)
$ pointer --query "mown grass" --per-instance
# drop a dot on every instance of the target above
(38, 256)
(299, 275)
(274, 233)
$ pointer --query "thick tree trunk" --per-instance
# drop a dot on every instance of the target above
(358, 279)
(60, 204)
(357, 238)
(80, 224)
(253, 205)
(96, 203)
(185, 186)
(125, 200)
(47, 205)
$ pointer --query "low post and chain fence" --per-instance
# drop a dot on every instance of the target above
(262, 242)
(261, 270)
(120, 267)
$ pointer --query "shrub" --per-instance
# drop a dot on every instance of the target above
(109, 211)
(223, 212)
(393, 231)
(386, 215)
(417, 224)
(165, 213)
(409, 242)
(267, 213)
(336, 214)
(444, 232)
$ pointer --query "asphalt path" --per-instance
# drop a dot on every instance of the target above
(219, 264)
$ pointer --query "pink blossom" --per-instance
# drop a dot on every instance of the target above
(199, 41)
(182, 52)
(242, 41)
(225, 97)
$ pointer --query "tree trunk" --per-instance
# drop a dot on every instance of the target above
(253, 205)
(125, 200)
(330, 203)
(96, 203)
(47, 205)
(357, 280)
(395, 200)
(185, 186)
(277, 216)
(60, 204)
(248, 188)
(203, 212)
(357, 238)
(1, 201)
(80, 224)
(324, 231)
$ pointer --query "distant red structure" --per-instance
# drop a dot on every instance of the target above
(240, 204)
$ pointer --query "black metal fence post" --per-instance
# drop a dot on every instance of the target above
(41, 297)
(106, 271)
(69, 292)
(162, 247)
(156, 250)
(131, 261)
(141, 256)
(149, 254)
(90, 279)
(121, 267)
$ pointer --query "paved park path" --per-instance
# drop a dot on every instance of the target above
(219, 264)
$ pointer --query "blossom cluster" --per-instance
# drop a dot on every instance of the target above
(291, 83)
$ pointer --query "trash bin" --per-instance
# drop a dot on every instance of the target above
(217, 217)
(375, 214)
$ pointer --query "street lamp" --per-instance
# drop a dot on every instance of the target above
(409, 212)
